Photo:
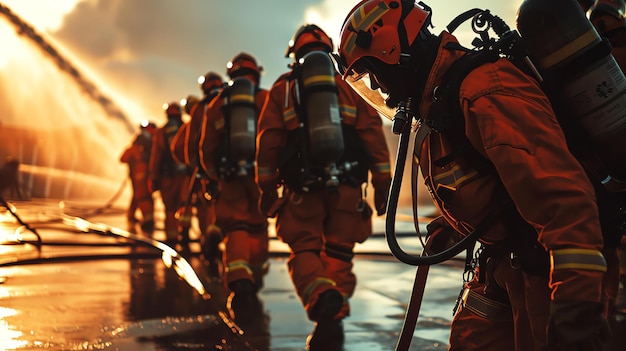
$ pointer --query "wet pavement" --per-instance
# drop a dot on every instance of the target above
(93, 289)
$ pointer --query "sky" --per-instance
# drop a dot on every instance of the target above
(144, 53)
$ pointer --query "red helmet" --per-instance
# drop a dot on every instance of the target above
(378, 40)
(243, 64)
(173, 109)
(307, 38)
(608, 18)
(210, 81)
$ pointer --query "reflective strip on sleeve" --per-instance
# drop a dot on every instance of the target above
(384, 167)
(239, 265)
(289, 114)
(577, 259)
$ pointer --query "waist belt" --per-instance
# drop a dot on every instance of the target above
(485, 307)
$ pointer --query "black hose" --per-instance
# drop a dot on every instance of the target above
(390, 230)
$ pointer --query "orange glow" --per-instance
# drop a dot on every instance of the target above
(8, 337)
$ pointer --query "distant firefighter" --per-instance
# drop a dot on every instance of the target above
(8, 178)
(137, 156)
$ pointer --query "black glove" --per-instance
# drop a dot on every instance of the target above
(577, 325)
(155, 185)
(380, 200)
(266, 202)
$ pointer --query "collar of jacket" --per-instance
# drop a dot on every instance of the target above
(444, 59)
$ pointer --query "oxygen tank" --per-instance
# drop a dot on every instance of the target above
(242, 112)
(582, 79)
(321, 105)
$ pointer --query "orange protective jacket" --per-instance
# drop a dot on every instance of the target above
(279, 118)
(509, 120)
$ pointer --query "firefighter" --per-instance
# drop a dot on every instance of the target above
(198, 191)
(227, 158)
(137, 157)
(166, 175)
(323, 209)
(538, 285)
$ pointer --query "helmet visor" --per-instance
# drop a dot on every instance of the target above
(366, 84)
(374, 97)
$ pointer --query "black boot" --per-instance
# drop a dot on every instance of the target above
(212, 255)
(328, 332)
(243, 303)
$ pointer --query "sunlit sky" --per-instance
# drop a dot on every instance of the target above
(147, 52)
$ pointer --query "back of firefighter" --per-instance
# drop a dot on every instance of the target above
(197, 191)
(166, 175)
(319, 218)
(607, 17)
(244, 228)
(137, 156)
(538, 282)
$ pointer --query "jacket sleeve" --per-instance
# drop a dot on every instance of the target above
(271, 135)
(177, 146)
(515, 127)
(156, 155)
(369, 127)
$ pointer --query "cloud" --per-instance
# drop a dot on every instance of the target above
(156, 49)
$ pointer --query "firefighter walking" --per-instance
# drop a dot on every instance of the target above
(137, 157)
(198, 191)
(166, 175)
(319, 140)
(227, 147)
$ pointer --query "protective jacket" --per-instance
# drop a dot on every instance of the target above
(512, 147)
(237, 214)
(167, 175)
(321, 225)
(137, 157)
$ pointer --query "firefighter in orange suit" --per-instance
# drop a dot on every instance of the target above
(137, 156)
(199, 193)
(227, 157)
(323, 210)
(166, 175)
(540, 276)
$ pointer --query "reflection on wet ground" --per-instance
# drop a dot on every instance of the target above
(85, 291)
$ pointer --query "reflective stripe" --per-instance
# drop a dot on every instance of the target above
(347, 111)
(486, 307)
(242, 98)
(382, 167)
(572, 47)
(309, 289)
(238, 265)
(289, 114)
(453, 178)
(319, 79)
(577, 259)
(362, 21)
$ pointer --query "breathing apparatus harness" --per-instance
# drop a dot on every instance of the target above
(446, 118)
(297, 165)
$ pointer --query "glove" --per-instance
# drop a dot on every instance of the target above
(380, 200)
(577, 325)
(266, 202)
(155, 185)
(441, 236)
